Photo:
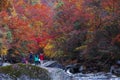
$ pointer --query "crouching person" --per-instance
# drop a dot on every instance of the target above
(36, 59)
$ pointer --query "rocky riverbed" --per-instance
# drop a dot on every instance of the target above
(59, 74)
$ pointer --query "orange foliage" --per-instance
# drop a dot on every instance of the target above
(31, 22)
(4, 4)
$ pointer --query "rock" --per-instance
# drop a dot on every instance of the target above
(6, 64)
(23, 72)
(58, 74)
(5, 77)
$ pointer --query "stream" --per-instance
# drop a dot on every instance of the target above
(59, 74)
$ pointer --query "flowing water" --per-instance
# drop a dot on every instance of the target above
(59, 74)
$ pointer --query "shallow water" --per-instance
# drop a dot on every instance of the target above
(59, 74)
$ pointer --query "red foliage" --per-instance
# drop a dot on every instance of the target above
(31, 24)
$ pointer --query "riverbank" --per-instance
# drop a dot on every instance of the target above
(59, 74)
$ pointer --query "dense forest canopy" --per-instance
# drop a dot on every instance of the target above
(61, 28)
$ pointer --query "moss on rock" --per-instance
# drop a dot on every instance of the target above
(33, 72)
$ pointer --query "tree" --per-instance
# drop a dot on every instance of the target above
(69, 20)
(27, 25)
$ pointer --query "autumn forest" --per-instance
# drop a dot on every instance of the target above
(69, 31)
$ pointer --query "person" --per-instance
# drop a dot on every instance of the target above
(36, 59)
(41, 56)
(26, 60)
(23, 60)
(31, 57)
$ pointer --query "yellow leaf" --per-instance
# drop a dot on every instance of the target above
(81, 47)
(4, 51)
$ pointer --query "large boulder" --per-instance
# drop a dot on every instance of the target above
(23, 72)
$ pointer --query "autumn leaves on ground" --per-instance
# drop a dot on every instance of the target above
(69, 31)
